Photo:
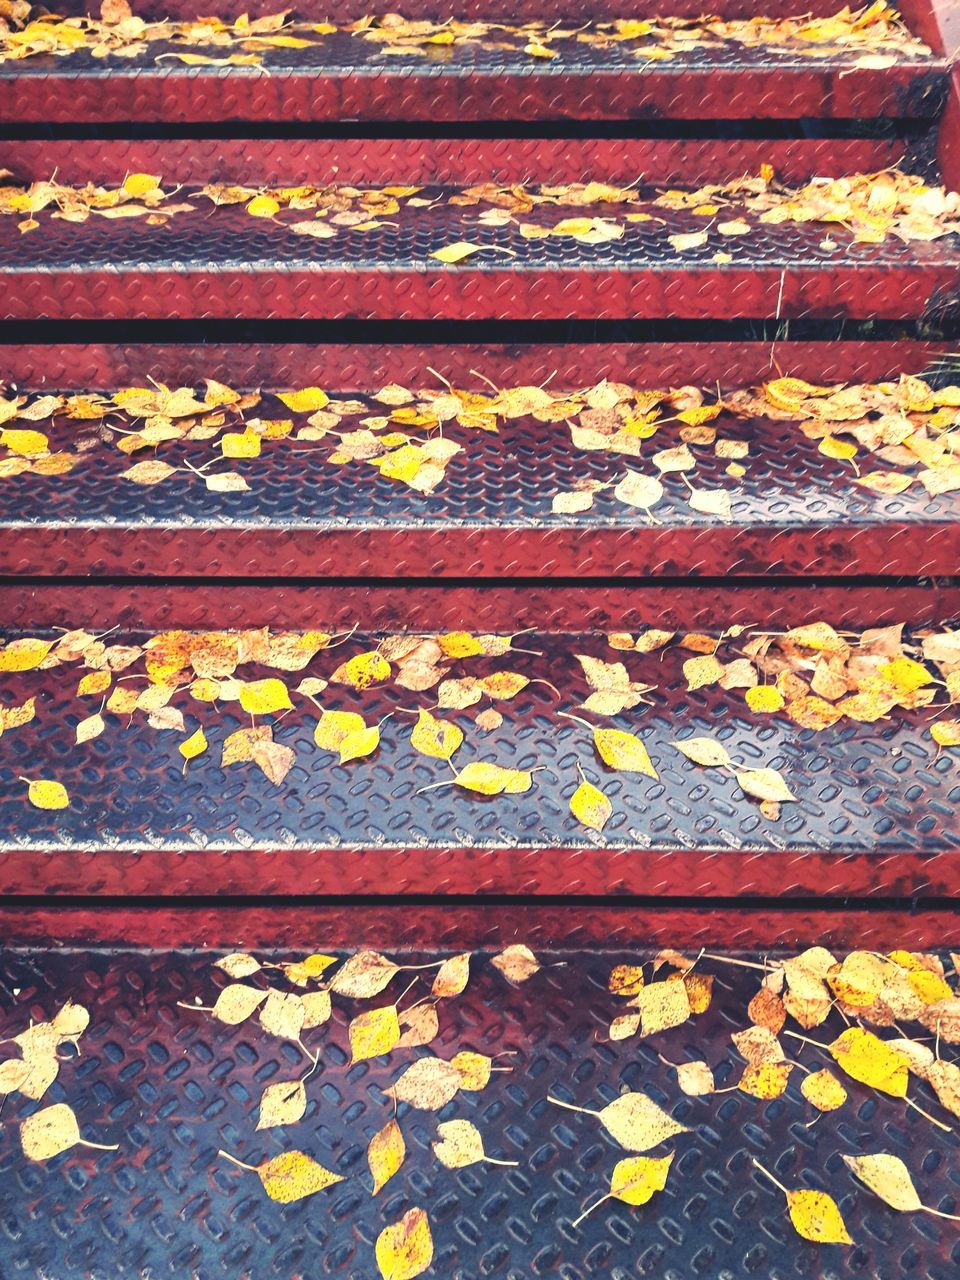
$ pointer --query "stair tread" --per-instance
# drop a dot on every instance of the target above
(874, 802)
(225, 262)
(172, 1088)
(342, 76)
(491, 511)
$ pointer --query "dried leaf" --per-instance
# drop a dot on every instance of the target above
(517, 962)
(282, 1103)
(704, 751)
(290, 1176)
(375, 1032)
(634, 1120)
(452, 976)
(48, 1132)
(405, 1249)
(428, 1084)
(386, 1153)
(238, 965)
(363, 975)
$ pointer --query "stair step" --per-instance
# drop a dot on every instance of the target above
(874, 809)
(221, 261)
(793, 510)
(588, 74)
(171, 1088)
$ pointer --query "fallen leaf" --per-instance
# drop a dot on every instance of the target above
(48, 1132)
(374, 1033)
(633, 1119)
(282, 1103)
(386, 1153)
(290, 1176)
(405, 1249)
(634, 1181)
(363, 975)
(461, 1145)
(517, 962)
(428, 1084)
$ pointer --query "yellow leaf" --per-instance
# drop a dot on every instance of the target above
(841, 450)
(460, 644)
(334, 727)
(621, 750)
(54, 1129)
(362, 671)
(94, 682)
(282, 1103)
(238, 964)
(45, 794)
(865, 1057)
(457, 252)
(241, 444)
(824, 1090)
(704, 751)
(663, 1005)
(503, 684)
(24, 654)
(626, 980)
(538, 50)
(764, 784)
(474, 1068)
(363, 742)
(816, 1217)
(235, 1003)
(195, 745)
(428, 1084)
(590, 806)
(433, 737)
(764, 697)
(263, 207)
(301, 971)
(491, 779)
(140, 184)
(309, 400)
(363, 975)
(905, 674)
(889, 1178)
(765, 1080)
(28, 444)
(517, 962)
(634, 1120)
(90, 727)
(385, 1154)
(374, 1032)
(634, 1181)
(702, 671)
(946, 733)
(452, 976)
(290, 1176)
(263, 697)
(405, 1249)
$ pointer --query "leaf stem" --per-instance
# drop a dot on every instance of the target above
(200, 1008)
(768, 1174)
(926, 1115)
(939, 1213)
(744, 964)
(100, 1146)
(590, 1208)
(251, 1168)
(513, 1164)
(570, 1107)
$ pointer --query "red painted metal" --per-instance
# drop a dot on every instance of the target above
(398, 925)
(176, 94)
(456, 550)
(378, 161)
(376, 872)
(494, 606)
(358, 367)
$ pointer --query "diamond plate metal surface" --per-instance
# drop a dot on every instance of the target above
(794, 512)
(171, 1087)
(346, 78)
(875, 813)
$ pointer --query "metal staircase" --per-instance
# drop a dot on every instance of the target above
(428, 529)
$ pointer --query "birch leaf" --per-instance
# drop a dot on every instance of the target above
(695, 1079)
(46, 794)
(405, 1249)
(461, 1145)
(238, 965)
(634, 1120)
(636, 490)
(235, 1003)
(436, 738)
(282, 1015)
(316, 1008)
(89, 728)
(428, 1084)
(634, 1181)
(823, 1090)
(624, 751)
(889, 1178)
(373, 1033)
(590, 806)
(54, 1129)
(816, 1217)
(764, 784)
(867, 1058)
(290, 1176)
(452, 976)
(704, 751)
(282, 1103)
(421, 1025)
(517, 962)
(363, 975)
(385, 1154)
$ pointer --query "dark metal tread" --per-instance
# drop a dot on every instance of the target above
(875, 807)
(345, 77)
(170, 1087)
(310, 508)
